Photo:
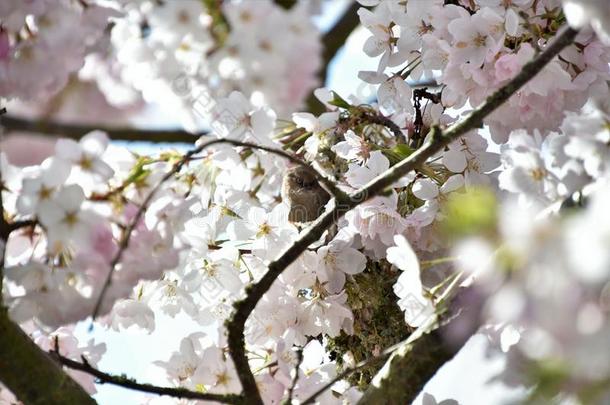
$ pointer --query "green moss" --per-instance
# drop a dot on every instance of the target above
(378, 321)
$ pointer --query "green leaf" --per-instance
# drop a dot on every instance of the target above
(138, 173)
(397, 153)
(229, 212)
(338, 101)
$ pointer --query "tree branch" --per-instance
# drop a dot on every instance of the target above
(295, 378)
(285, 4)
(132, 384)
(124, 242)
(384, 121)
(332, 41)
(330, 187)
(370, 361)
(325, 182)
(445, 315)
(437, 140)
(25, 369)
(30, 373)
(76, 131)
(5, 231)
(416, 361)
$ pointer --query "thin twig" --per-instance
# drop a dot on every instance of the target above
(437, 140)
(76, 131)
(13, 226)
(124, 242)
(295, 377)
(131, 383)
(382, 120)
(329, 185)
(345, 373)
(4, 234)
(286, 4)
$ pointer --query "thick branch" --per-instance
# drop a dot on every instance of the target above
(30, 373)
(125, 382)
(25, 369)
(424, 337)
(286, 4)
(332, 41)
(76, 131)
(410, 368)
(435, 143)
(416, 361)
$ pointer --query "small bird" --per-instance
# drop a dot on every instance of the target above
(303, 194)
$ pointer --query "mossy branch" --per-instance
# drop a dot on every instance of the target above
(30, 373)
(22, 362)
(437, 140)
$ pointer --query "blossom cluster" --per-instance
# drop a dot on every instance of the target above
(189, 243)
(543, 264)
(184, 55)
(178, 53)
(77, 219)
(43, 42)
(478, 47)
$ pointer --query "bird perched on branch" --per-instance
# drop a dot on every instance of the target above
(303, 194)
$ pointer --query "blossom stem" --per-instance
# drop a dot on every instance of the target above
(295, 378)
(434, 262)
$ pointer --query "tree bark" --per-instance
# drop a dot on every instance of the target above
(31, 374)
(408, 370)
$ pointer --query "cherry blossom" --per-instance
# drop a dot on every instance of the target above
(38, 189)
(525, 171)
(128, 234)
(352, 148)
(338, 259)
(408, 287)
(86, 155)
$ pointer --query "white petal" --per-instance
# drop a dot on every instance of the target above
(425, 189)
(68, 149)
(305, 120)
(403, 256)
(455, 160)
(95, 143)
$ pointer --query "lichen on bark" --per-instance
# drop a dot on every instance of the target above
(378, 321)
